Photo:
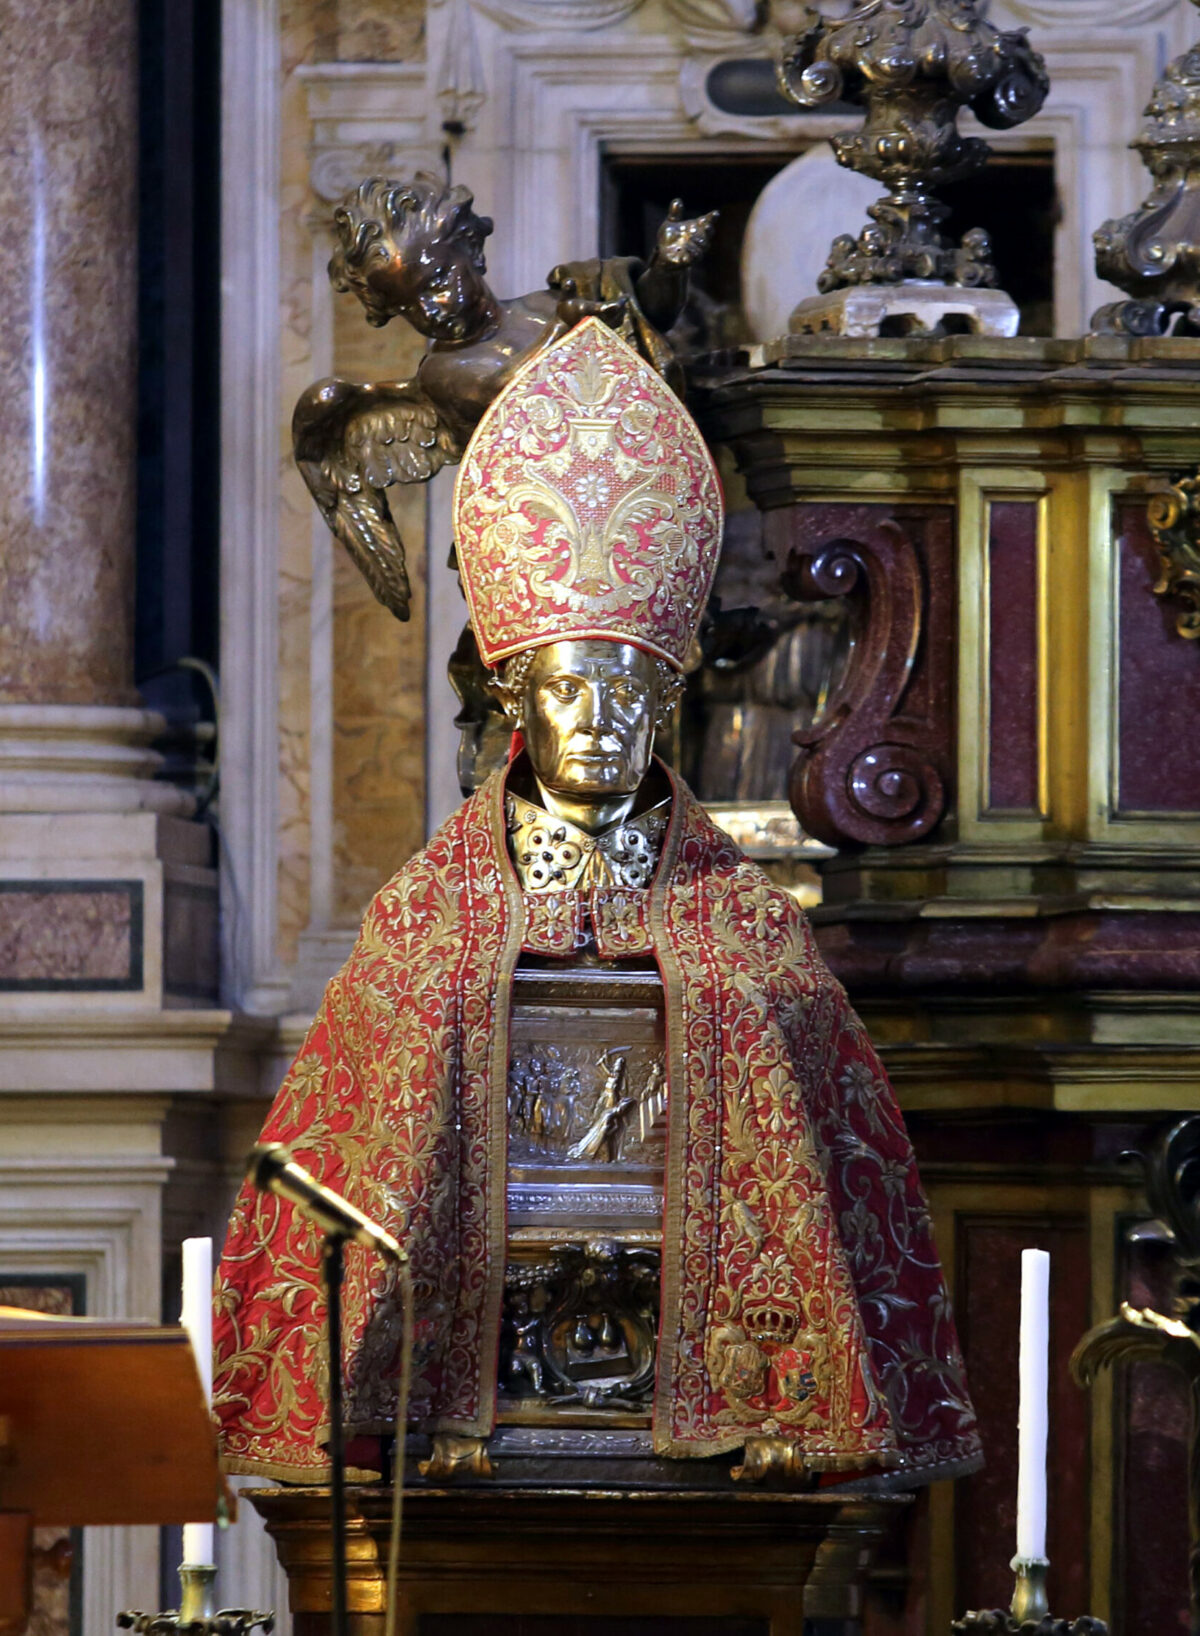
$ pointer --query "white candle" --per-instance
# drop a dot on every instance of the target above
(1033, 1418)
(196, 1318)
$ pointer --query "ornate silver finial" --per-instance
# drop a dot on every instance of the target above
(1154, 254)
(913, 64)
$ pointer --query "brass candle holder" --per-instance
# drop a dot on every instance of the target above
(1029, 1613)
(194, 1615)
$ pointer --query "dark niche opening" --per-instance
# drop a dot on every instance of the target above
(1014, 199)
(178, 439)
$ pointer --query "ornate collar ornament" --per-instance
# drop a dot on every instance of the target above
(551, 855)
(587, 505)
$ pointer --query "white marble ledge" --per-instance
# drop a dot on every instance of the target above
(361, 91)
(132, 1052)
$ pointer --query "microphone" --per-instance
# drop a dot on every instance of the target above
(273, 1170)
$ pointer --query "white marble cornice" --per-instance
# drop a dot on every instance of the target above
(55, 1047)
(540, 15)
(1072, 15)
(369, 119)
(340, 166)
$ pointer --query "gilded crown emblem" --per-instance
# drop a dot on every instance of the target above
(771, 1309)
(587, 505)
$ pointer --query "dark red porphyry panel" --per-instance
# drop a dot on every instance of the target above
(1150, 1577)
(1013, 655)
(1159, 679)
(1087, 950)
(988, 1307)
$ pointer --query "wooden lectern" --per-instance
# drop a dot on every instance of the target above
(100, 1423)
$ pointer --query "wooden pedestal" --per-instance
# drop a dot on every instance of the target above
(586, 1562)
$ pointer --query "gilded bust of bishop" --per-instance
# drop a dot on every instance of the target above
(585, 1060)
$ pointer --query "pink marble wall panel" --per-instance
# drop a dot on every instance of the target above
(1159, 678)
(1150, 1575)
(85, 936)
(1012, 655)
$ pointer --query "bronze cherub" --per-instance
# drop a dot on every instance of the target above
(415, 249)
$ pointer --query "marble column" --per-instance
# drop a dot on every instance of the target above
(72, 737)
(114, 1054)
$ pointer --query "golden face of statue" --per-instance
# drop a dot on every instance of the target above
(588, 711)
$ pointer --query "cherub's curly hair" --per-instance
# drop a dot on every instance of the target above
(510, 676)
(381, 218)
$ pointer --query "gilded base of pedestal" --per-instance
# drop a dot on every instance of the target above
(778, 1558)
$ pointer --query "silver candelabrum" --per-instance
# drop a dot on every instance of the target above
(912, 65)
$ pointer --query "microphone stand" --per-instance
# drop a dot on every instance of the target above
(271, 1168)
(332, 1258)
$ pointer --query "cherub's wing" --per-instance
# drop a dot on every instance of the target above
(352, 442)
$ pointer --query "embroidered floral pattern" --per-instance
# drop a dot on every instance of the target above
(554, 923)
(390, 1102)
(587, 505)
(801, 1289)
(620, 923)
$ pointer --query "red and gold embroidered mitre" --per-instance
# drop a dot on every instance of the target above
(587, 505)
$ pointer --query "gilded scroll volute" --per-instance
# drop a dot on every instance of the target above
(1174, 517)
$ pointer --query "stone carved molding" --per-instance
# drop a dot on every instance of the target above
(83, 758)
(706, 24)
(560, 14)
(1175, 523)
(461, 88)
(873, 771)
(709, 120)
(1074, 15)
(716, 25)
(334, 170)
